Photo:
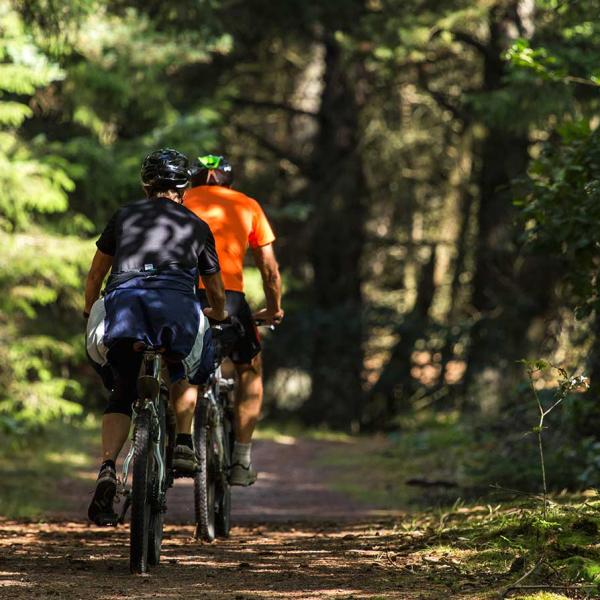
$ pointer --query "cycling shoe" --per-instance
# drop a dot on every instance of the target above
(242, 475)
(184, 460)
(101, 509)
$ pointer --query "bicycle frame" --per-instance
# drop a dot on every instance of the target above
(148, 399)
(211, 395)
(215, 409)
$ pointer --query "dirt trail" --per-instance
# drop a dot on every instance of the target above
(294, 538)
(290, 488)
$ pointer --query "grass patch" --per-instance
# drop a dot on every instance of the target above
(375, 470)
(33, 467)
(485, 548)
(289, 431)
(543, 596)
(458, 530)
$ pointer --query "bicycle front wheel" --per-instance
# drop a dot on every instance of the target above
(157, 498)
(140, 495)
(204, 480)
(223, 506)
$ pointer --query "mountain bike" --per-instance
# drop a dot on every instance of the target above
(149, 459)
(213, 442)
(214, 439)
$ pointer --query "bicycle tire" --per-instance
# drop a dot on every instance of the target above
(223, 508)
(171, 436)
(157, 508)
(140, 504)
(204, 480)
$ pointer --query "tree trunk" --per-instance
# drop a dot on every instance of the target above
(395, 386)
(339, 199)
(458, 268)
(503, 299)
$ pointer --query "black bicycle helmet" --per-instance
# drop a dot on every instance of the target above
(165, 169)
(212, 169)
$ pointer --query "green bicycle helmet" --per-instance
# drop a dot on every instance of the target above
(212, 169)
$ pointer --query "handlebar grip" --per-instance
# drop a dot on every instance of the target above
(263, 323)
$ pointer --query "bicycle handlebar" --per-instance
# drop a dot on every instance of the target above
(263, 323)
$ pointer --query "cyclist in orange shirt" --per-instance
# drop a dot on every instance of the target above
(238, 222)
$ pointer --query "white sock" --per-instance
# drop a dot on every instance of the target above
(241, 454)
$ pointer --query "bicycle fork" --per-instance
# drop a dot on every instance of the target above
(156, 446)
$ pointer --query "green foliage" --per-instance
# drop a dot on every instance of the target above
(506, 452)
(88, 88)
(502, 539)
(31, 181)
(41, 342)
(543, 64)
(83, 97)
(538, 60)
(561, 209)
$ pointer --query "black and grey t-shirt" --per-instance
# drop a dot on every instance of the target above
(157, 233)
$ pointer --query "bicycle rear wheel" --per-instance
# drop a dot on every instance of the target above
(204, 480)
(141, 490)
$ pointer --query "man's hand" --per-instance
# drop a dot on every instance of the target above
(268, 317)
(215, 315)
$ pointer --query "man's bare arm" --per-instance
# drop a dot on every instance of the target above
(264, 258)
(215, 292)
(101, 264)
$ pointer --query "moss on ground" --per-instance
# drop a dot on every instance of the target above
(483, 543)
(479, 551)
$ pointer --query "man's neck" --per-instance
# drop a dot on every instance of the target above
(171, 195)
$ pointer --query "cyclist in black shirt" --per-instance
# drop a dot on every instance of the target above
(156, 248)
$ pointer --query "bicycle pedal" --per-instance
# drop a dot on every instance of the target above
(184, 474)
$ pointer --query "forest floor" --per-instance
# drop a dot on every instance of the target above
(299, 534)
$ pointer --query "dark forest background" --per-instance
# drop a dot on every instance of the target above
(431, 169)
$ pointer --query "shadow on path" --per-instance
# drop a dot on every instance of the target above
(72, 561)
(295, 538)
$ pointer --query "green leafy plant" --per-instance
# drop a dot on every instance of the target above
(560, 208)
(566, 384)
(541, 62)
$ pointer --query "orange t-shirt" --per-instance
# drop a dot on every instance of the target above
(237, 221)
